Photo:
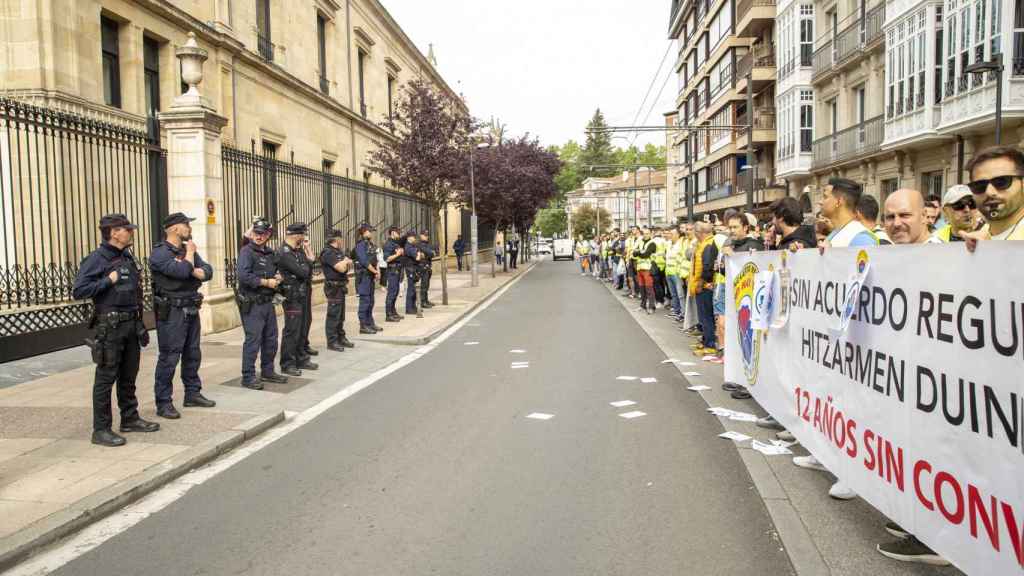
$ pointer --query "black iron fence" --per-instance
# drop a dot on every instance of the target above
(286, 192)
(59, 172)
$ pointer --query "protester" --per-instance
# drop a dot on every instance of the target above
(742, 240)
(788, 219)
(583, 253)
(960, 213)
(867, 214)
(644, 262)
(905, 218)
(839, 204)
(997, 183)
(932, 211)
(702, 285)
(674, 255)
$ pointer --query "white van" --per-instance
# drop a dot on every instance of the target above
(562, 249)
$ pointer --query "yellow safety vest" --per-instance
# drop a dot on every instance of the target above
(672, 255)
(684, 262)
(659, 254)
(644, 263)
(583, 248)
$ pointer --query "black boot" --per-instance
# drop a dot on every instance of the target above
(107, 437)
(346, 342)
(291, 371)
(392, 318)
(275, 378)
(311, 352)
(137, 424)
(197, 400)
(335, 347)
(253, 384)
(367, 330)
(307, 365)
(167, 411)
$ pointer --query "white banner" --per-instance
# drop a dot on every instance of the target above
(911, 390)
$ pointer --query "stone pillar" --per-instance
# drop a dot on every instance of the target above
(194, 181)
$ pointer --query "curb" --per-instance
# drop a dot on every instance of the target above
(421, 340)
(43, 532)
(800, 547)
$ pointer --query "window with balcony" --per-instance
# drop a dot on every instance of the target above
(973, 34)
(720, 76)
(263, 44)
(321, 45)
(720, 138)
(907, 60)
(151, 75)
(391, 96)
(938, 54)
(806, 34)
(720, 27)
(111, 49)
(806, 120)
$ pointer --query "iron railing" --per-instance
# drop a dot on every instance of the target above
(851, 142)
(265, 47)
(822, 59)
(59, 173)
(856, 38)
(286, 192)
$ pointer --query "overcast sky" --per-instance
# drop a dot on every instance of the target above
(544, 66)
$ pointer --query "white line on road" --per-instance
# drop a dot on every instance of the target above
(470, 343)
(622, 403)
(648, 380)
(517, 351)
(633, 414)
(626, 378)
(540, 416)
(96, 534)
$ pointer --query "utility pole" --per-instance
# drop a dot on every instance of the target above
(474, 237)
(750, 139)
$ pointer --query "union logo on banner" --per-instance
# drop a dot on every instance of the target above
(750, 344)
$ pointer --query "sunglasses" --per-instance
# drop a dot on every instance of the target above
(999, 182)
(963, 204)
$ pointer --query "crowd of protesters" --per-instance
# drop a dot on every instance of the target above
(673, 267)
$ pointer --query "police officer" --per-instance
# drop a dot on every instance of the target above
(336, 266)
(111, 277)
(364, 256)
(426, 267)
(258, 279)
(177, 272)
(393, 253)
(295, 262)
(411, 264)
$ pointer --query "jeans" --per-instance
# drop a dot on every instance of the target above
(706, 314)
(675, 288)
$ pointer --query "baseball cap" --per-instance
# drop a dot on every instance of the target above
(955, 194)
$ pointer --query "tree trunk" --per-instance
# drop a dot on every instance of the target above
(444, 262)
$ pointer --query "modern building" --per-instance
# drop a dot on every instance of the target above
(726, 66)
(633, 198)
(795, 25)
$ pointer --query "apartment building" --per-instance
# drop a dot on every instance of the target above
(893, 105)
(302, 79)
(637, 197)
(795, 26)
(726, 67)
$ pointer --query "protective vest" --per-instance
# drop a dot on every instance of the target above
(660, 252)
(583, 248)
(683, 261)
(644, 263)
(672, 258)
(696, 285)
(841, 238)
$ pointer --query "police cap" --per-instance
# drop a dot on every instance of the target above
(296, 228)
(335, 234)
(116, 221)
(363, 226)
(424, 232)
(411, 232)
(394, 229)
(176, 218)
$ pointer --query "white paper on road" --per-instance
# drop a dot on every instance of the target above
(783, 443)
(691, 373)
(517, 366)
(769, 449)
(470, 343)
(517, 351)
(742, 417)
(669, 361)
(731, 435)
(698, 388)
(648, 380)
(626, 378)
(634, 414)
(622, 403)
(540, 416)
(521, 363)
(685, 363)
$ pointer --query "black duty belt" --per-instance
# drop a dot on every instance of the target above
(118, 316)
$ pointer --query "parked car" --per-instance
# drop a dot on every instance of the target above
(544, 249)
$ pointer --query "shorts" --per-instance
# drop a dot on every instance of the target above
(719, 300)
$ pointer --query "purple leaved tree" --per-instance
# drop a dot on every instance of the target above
(426, 154)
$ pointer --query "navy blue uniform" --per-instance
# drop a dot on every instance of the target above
(176, 300)
(426, 270)
(335, 289)
(411, 267)
(365, 256)
(118, 329)
(256, 303)
(394, 273)
(297, 271)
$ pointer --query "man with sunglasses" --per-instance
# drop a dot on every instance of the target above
(997, 183)
(959, 212)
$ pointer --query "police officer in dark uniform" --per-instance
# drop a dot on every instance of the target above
(365, 257)
(177, 272)
(393, 252)
(295, 262)
(258, 279)
(111, 277)
(336, 266)
(426, 267)
(411, 265)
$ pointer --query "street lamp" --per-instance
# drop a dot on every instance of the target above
(993, 65)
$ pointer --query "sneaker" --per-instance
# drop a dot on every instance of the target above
(896, 530)
(716, 360)
(785, 436)
(841, 491)
(911, 549)
(809, 462)
(770, 423)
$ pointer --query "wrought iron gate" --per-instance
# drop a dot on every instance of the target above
(59, 172)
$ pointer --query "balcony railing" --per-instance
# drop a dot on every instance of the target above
(751, 60)
(852, 40)
(265, 47)
(744, 178)
(874, 18)
(848, 41)
(744, 6)
(822, 59)
(852, 142)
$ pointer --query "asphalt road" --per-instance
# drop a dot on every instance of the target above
(435, 469)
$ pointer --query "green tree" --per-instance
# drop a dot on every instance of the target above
(598, 149)
(631, 156)
(570, 177)
(551, 222)
(585, 221)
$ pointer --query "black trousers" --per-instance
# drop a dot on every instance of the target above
(307, 320)
(117, 363)
(659, 283)
(335, 322)
(178, 340)
(260, 325)
(425, 274)
(513, 258)
(458, 262)
(293, 352)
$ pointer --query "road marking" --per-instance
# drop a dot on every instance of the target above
(633, 414)
(698, 388)
(54, 557)
(648, 380)
(517, 351)
(627, 378)
(540, 416)
(691, 373)
(622, 403)
(470, 343)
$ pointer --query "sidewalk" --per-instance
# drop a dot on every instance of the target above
(53, 481)
(822, 536)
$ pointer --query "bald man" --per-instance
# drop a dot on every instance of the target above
(905, 219)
